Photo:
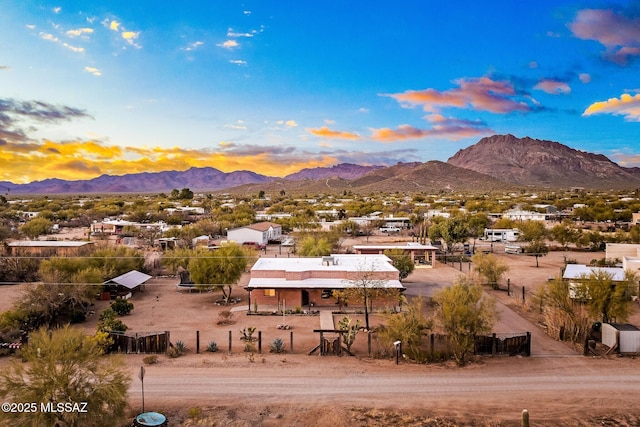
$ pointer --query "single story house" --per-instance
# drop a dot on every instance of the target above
(423, 255)
(310, 281)
(574, 273)
(260, 233)
(45, 248)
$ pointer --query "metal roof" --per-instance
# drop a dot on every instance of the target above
(130, 280)
(581, 271)
(48, 244)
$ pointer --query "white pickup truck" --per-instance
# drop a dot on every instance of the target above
(389, 229)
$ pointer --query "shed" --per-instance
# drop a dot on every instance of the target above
(624, 336)
(123, 285)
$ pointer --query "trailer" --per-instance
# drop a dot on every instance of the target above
(501, 234)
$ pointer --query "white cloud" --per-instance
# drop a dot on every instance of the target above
(73, 48)
(57, 10)
(231, 33)
(93, 71)
(585, 77)
(238, 62)
(193, 46)
(49, 37)
(79, 32)
(229, 44)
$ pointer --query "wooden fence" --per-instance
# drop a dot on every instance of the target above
(139, 342)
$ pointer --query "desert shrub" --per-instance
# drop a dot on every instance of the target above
(121, 306)
(150, 360)
(212, 347)
(107, 322)
(277, 346)
(250, 347)
(176, 350)
(194, 412)
(225, 317)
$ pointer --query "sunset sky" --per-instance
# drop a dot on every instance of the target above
(116, 87)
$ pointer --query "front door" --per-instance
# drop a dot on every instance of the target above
(305, 297)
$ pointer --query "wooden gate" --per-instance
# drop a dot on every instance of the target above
(139, 342)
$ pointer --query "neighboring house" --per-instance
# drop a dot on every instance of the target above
(635, 218)
(422, 255)
(46, 248)
(575, 273)
(518, 215)
(621, 250)
(259, 233)
(299, 282)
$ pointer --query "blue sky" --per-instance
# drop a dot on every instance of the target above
(122, 87)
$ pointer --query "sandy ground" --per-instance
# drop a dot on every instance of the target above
(232, 387)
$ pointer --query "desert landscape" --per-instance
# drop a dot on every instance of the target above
(557, 384)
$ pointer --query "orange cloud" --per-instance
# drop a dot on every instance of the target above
(552, 86)
(325, 132)
(627, 106)
(75, 160)
(618, 33)
(442, 127)
(481, 94)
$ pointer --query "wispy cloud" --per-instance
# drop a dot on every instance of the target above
(93, 70)
(553, 86)
(130, 37)
(442, 127)
(627, 106)
(238, 61)
(481, 94)
(48, 37)
(79, 32)
(57, 10)
(232, 33)
(193, 46)
(288, 123)
(325, 132)
(584, 77)
(617, 32)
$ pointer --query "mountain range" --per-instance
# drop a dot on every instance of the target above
(499, 162)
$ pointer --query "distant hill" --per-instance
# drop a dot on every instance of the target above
(342, 170)
(432, 177)
(538, 163)
(196, 179)
(498, 162)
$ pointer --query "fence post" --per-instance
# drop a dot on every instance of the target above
(493, 344)
(259, 341)
(197, 342)
(508, 287)
(229, 342)
(528, 344)
(523, 294)
(433, 344)
(291, 341)
(166, 350)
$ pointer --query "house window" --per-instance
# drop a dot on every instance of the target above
(269, 292)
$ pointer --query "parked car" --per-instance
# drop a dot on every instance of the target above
(389, 229)
(256, 245)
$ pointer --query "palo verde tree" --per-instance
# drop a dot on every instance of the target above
(537, 248)
(463, 313)
(490, 267)
(564, 319)
(365, 286)
(606, 298)
(220, 269)
(402, 261)
(64, 366)
(409, 327)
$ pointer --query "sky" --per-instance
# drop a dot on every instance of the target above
(117, 87)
